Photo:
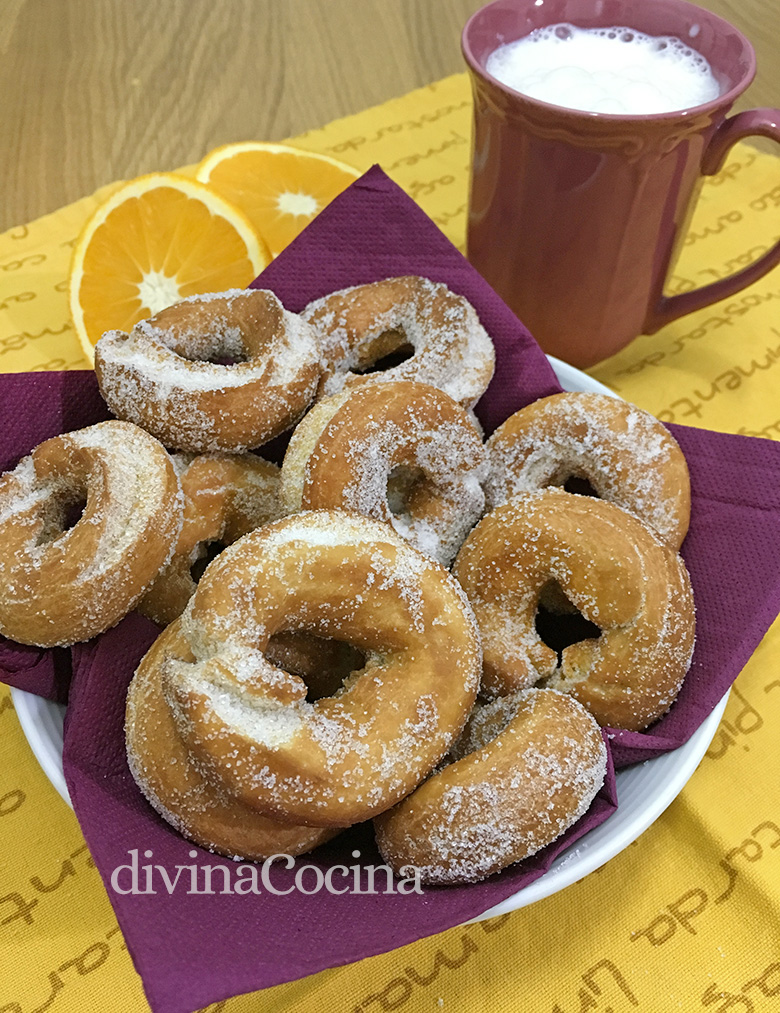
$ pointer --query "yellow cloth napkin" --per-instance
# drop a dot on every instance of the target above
(688, 917)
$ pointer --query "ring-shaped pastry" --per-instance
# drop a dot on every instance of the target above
(400, 452)
(170, 779)
(227, 371)
(346, 757)
(526, 768)
(225, 496)
(626, 455)
(440, 332)
(614, 570)
(66, 576)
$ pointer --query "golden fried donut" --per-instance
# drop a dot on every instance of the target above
(181, 791)
(166, 375)
(400, 452)
(527, 767)
(614, 570)
(357, 327)
(64, 580)
(343, 758)
(225, 496)
(626, 454)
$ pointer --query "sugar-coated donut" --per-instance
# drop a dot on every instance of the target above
(225, 496)
(626, 454)
(360, 326)
(62, 579)
(527, 767)
(346, 757)
(614, 570)
(182, 792)
(227, 371)
(401, 452)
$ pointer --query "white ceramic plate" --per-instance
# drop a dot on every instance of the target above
(644, 790)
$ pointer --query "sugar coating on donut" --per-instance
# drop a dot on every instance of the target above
(401, 452)
(22, 492)
(358, 326)
(130, 484)
(161, 376)
(302, 444)
(248, 483)
(614, 570)
(404, 569)
(342, 757)
(125, 521)
(65, 584)
(528, 767)
(198, 807)
(272, 726)
(625, 453)
(225, 497)
(436, 454)
(146, 347)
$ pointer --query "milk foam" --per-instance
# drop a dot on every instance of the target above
(605, 70)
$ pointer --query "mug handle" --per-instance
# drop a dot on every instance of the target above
(764, 122)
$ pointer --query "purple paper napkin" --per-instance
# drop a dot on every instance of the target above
(192, 950)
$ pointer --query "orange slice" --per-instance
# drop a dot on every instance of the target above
(279, 188)
(156, 240)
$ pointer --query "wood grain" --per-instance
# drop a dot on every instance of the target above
(97, 90)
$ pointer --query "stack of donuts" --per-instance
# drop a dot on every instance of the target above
(403, 623)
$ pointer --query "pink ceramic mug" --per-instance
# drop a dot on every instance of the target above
(575, 218)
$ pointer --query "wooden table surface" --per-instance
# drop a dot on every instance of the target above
(97, 90)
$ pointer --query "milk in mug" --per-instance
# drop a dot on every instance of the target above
(605, 70)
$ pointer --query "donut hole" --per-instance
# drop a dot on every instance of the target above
(73, 512)
(206, 552)
(402, 482)
(219, 358)
(559, 623)
(226, 360)
(61, 513)
(579, 485)
(322, 663)
(225, 348)
(387, 351)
